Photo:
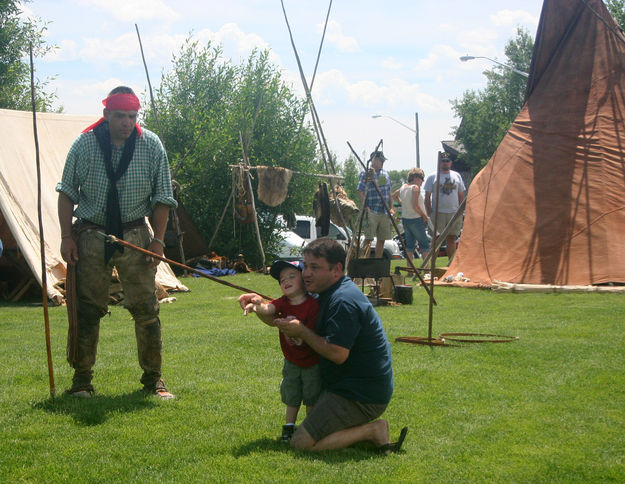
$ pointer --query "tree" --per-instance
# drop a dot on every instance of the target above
(487, 114)
(350, 172)
(15, 38)
(617, 9)
(206, 104)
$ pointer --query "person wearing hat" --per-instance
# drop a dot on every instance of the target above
(376, 222)
(355, 358)
(450, 195)
(301, 378)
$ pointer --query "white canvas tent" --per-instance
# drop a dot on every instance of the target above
(18, 189)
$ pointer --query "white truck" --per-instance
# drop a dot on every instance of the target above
(306, 230)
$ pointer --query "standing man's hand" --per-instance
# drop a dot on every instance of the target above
(69, 250)
(156, 247)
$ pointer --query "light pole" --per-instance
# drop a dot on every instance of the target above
(415, 131)
(466, 58)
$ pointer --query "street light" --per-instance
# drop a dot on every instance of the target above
(466, 58)
(415, 131)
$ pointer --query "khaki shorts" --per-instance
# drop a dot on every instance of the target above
(333, 413)
(300, 385)
(377, 225)
(443, 220)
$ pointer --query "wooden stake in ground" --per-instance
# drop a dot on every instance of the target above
(42, 245)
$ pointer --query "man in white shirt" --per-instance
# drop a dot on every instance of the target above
(451, 192)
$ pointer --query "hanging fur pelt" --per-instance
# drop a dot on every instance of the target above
(273, 184)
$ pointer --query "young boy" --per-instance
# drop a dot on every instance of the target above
(301, 381)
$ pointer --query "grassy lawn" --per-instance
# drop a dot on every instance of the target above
(549, 407)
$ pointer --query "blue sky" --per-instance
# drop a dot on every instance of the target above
(394, 58)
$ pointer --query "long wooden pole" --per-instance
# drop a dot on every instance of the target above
(42, 245)
(174, 214)
(115, 240)
(434, 246)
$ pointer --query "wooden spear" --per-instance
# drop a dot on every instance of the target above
(42, 245)
(115, 240)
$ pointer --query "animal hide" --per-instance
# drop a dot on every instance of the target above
(273, 184)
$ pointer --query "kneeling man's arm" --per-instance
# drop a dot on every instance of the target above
(294, 328)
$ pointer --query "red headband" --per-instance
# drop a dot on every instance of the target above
(118, 102)
(122, 102)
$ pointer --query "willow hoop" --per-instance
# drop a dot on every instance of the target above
(477, 337)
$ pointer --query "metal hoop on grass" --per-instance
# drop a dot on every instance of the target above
(418, 340)
(477, 337)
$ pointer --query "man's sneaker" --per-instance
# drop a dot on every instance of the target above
(159, 390)
(287, 433)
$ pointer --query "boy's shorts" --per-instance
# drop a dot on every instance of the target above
(333, 413)
(300, 385)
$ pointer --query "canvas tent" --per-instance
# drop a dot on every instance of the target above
(549, 207)
(18, 191)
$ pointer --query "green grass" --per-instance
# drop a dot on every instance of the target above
(549, 407)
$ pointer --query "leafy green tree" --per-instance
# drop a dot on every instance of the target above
(487, 114)
(206, 106)
(349, 170)
(617, 9)
(16, 35)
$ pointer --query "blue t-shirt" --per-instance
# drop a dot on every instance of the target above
(347, 319)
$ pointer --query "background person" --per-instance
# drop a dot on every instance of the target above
(450, 193)
(301, 380)
(355, 358)
(116, 174)
(413, 214)
(376, 222)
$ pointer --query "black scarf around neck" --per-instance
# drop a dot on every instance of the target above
(113, 223)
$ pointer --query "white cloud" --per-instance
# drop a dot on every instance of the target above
(117, 50)
(336, 37)
(505, 18)
(132, 10)
(333, 87)
(66, 51)
(391, 63)
(159, 48)
(438, 58)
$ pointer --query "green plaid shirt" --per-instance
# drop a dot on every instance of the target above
(146, 182)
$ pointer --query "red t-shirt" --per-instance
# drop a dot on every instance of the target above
(307, 313)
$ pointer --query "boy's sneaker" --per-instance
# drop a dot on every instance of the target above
(287, 433)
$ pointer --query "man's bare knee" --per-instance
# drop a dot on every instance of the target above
(302, 440)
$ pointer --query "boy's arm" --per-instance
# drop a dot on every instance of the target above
(265, 311)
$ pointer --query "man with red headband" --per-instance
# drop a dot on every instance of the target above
(115, 175)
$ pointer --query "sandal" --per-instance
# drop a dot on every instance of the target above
(159, 390)
(393, 447)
